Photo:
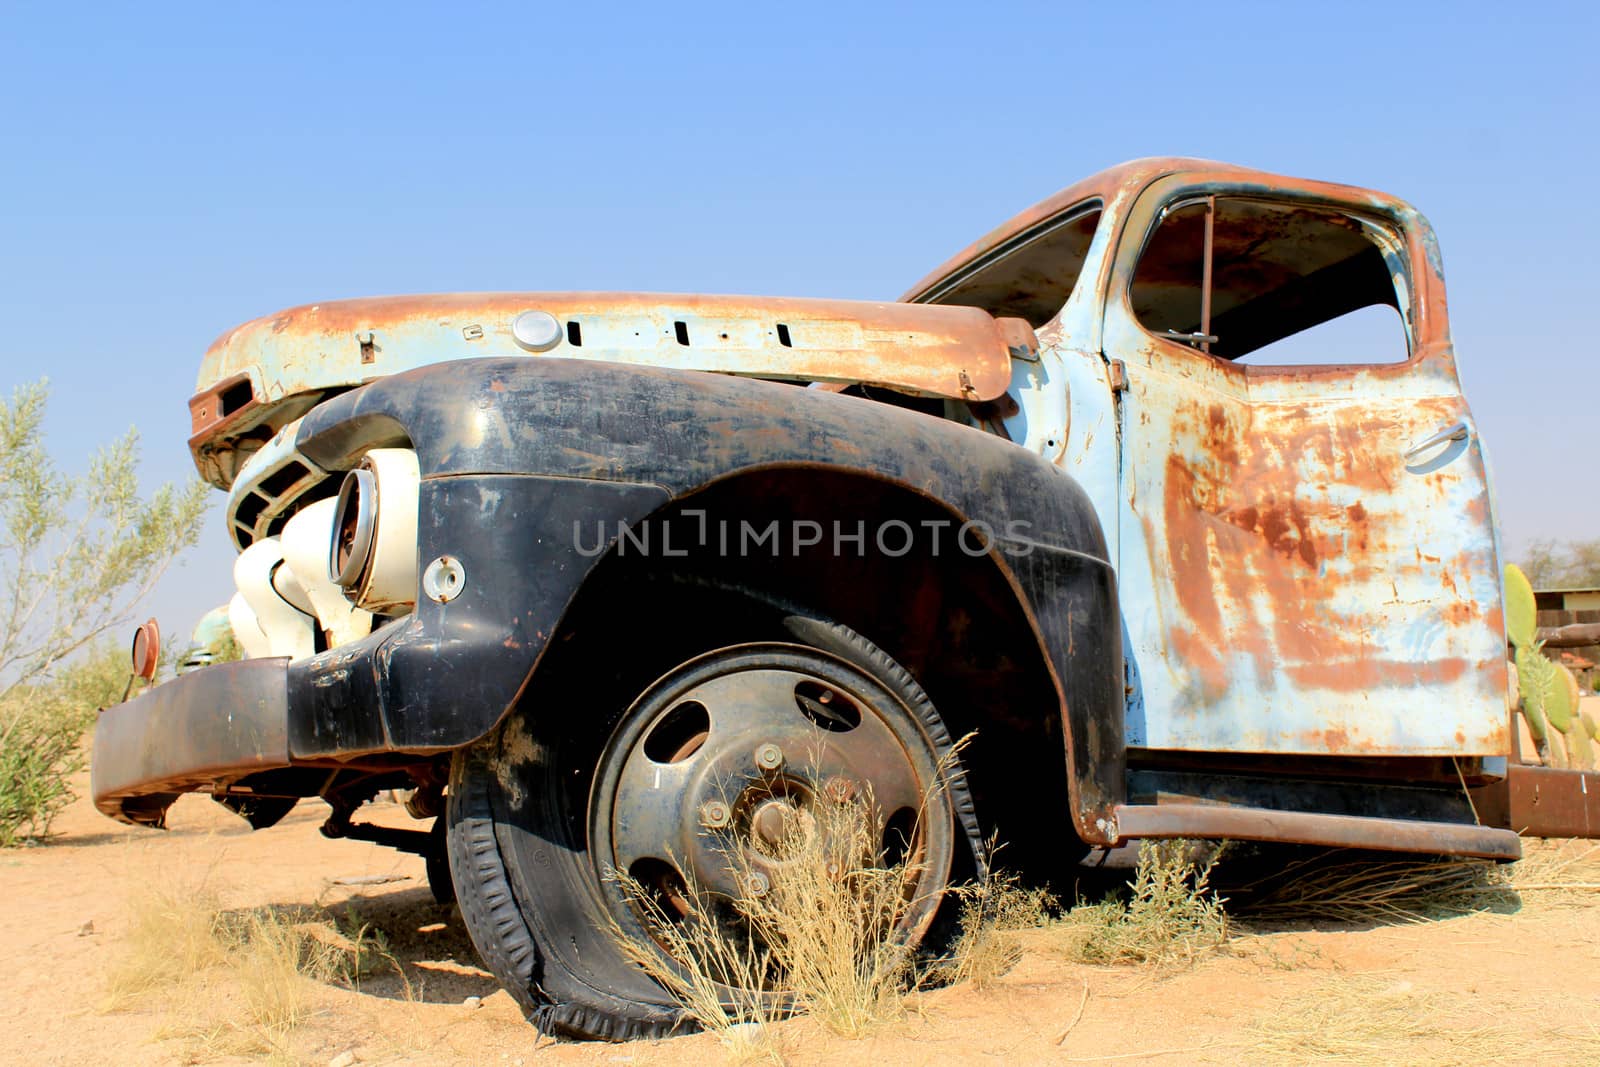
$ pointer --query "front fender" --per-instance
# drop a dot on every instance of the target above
(517, 454)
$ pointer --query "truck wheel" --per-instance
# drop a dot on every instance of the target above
(734, 744)
(437, 863)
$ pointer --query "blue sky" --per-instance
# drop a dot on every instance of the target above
(169, 172)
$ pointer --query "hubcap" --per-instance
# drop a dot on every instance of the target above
(721, 764)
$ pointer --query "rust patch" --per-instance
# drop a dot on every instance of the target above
(1359, 674)
(1261, 539)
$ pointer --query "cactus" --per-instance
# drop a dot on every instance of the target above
(1580, 752)
(1538, 684)
(1550, 693)
(1533, 713)
(1589, 725)
(1521, 615)
(1557, 697)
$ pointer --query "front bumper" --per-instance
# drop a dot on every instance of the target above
(212, 725)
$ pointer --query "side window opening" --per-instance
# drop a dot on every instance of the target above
(1030, 276)
(1273, 284)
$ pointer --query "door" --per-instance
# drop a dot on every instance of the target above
(1307, 551)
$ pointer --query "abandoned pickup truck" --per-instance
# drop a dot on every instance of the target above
(1165, 492)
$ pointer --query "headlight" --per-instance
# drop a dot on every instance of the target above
(373, 553)
(352, 529)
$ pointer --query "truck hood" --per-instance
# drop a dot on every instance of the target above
(259, 376)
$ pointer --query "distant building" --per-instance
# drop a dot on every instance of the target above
(1567, 600)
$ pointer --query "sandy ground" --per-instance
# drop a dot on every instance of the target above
(1523, 984)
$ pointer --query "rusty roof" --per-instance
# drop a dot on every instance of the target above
(1125, 177)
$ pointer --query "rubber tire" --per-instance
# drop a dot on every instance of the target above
(526, 883)
(437, 861)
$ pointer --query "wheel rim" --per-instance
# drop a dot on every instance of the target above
(732, 752)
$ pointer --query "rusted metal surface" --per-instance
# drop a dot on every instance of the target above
(1114, 186)
(223, 721)
(961, 353)
(1310, 828)
(1292, 582)
(614, 442)
(1575, 635)
(1542, 802)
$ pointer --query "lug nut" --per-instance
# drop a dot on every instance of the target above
(757, 885)
(714, 815)
(840, 790)
(769, 757)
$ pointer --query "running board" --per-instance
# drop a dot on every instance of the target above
(1312, 828)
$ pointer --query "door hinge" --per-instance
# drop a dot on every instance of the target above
(1119, 377)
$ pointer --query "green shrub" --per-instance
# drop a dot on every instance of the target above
(76, 556)
(41, 739)
(1173, 915)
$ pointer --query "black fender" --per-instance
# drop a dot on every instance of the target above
(518, 456)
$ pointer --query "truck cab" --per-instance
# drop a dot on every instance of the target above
(1254, 380)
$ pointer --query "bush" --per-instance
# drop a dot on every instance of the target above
(41, 735)
(1173, 915)
(76, 555)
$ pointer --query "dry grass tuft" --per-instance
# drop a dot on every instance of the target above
(1325, 888)
(826, 937)
(1173, 916)
(1557, 872)
(1363, 892)
(182, 942)
(1367, 1019)
(993, 915)
(173, 936)
(715, 972)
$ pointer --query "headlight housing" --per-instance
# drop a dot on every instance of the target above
(373, 552)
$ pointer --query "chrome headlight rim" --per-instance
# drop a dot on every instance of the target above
(354, 523)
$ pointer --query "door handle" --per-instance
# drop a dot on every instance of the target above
(1458, 432)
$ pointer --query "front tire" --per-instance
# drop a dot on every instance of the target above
(573, 786)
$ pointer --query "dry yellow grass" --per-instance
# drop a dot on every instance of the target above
(826, 937)
(182, 943)
(173, 935)
(1364, 1019)
(1558, 872)
(1366, 891)
(993, 915)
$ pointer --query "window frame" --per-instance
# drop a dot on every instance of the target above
(1388, 234)
(1095, 203)
(1432, 350)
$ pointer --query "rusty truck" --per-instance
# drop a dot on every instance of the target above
(1163, 494)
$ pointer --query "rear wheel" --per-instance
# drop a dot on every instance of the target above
(729, 750)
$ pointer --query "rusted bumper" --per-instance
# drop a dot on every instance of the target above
(1314, 828)
(214, 724)
(1543, 802)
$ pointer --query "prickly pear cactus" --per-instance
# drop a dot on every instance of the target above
(1521, 614)
(1541, 707)
(1547, 703)
(1550, 693)
(1557, 697)
(1580, 753)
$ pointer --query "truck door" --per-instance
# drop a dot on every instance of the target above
(1307, 550)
